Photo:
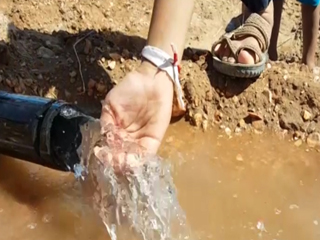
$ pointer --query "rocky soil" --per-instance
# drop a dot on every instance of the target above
(43, 42)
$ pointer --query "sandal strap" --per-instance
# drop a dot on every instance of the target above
(255, 26)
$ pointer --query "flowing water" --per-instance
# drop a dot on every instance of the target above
(245, 187)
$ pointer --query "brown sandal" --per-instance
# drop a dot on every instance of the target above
(255, 26)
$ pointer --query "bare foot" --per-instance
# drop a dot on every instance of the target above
(245, 56)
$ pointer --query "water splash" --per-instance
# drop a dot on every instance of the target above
(133, 193)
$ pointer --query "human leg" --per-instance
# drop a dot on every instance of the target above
(278, 7)
(310, 26)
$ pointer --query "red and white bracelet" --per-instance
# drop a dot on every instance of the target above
(170, 65)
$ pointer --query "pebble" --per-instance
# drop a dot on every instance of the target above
(306, 115)
(47, 218)
(115, 56)
(32, 226)
(237, 130)
(242, 123)
(92, 83)
(239, 158)
(205, 125)
(111, 65)
(258, 125)
(73, 74)
(88, 47)
(227, 131)
(298, 143)
(197, 118)
(45, 52)
(101, 88)
(313, 140)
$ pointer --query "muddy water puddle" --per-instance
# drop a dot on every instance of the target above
(248, 187)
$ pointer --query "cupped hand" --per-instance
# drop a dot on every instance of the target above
(141, 105)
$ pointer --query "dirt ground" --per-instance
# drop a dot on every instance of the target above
(37, 57)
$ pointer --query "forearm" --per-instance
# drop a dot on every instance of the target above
(169, 24)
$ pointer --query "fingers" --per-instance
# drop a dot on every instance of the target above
(107, 116)
(152, 145)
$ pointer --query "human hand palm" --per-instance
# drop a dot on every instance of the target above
(141, 105)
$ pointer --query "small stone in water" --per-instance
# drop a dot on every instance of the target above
(261, 227)
(277, 211)
(293, 206)
(32, 226)
(313, 140)
(315, 222)
(239, 158)
(298, 143)
(46, 218)
(227, 131)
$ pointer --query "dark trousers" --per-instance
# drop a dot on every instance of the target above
(256, 6)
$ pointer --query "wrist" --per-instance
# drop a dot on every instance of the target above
(149, 69)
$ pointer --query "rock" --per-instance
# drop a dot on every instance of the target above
(242, 123)
(111, 65)
(73, 74)
(67, 93)
(72, 80)
(28, 82)
(313, 140)
(87, 47)
(205, 125)
(101, 88)
(227, 131)
(298, 143)
(90, 92)
(10, 83)
(239, 158)
(235, 99)
(237, 130)
(17, 89)
(306, 115)
(54, 47)
(258, 125)
(91, 84)
(290, 118)
(44, 52)
(115, 56)
(125, 53)
(197, 118)
(52, 93)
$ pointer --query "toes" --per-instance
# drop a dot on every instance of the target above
(231, 60)
(247, 57)
(225, 54)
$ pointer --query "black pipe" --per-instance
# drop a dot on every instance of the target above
(41, 131)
